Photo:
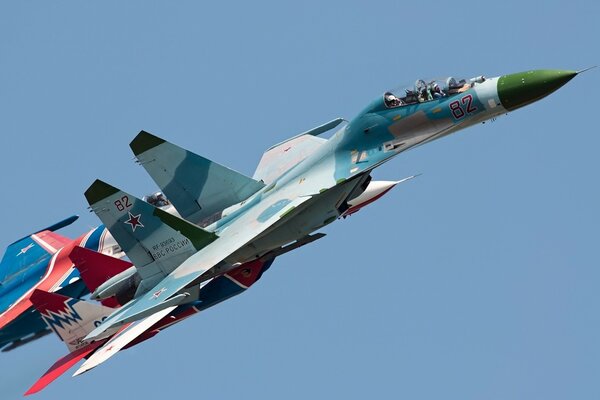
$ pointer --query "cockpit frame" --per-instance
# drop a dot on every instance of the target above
(424, 91)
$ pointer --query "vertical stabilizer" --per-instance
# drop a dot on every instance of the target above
(155, 241)
(71, 319)
(197, 186)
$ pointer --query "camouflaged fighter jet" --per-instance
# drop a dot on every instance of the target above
(216, 220)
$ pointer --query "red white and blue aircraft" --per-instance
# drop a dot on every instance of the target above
(73, 319)
(41, 261)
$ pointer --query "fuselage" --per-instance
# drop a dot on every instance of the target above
(334, 173)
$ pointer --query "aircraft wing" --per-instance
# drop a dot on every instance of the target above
(20, 265)
(283, 156)
(231, 238)
(121, 340)
(62, 365)
(26, 251)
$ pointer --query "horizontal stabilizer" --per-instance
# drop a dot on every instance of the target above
(122, 339)
(197, 187)
(155, 241)
(96, 268)
(159, 307)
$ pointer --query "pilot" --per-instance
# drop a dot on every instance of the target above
(422, 91)
(429, 93)
(161, 200)
(391, 100)
(157, 199)
(457, 87)
(436, 91)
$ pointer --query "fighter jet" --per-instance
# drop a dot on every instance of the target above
(40, 261)
(213, 220)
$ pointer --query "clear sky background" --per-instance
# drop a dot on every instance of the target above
(478, 280)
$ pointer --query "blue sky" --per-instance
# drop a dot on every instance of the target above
(476, 280)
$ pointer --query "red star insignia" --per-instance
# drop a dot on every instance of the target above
(134, 221)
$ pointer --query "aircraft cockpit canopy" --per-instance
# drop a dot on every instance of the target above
(157, 199)
(428, 90)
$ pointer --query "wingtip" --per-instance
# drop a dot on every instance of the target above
(99, 190)
(80, 371)
(33, 389)
(144, 141)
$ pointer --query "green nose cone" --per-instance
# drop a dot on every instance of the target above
(520, 89)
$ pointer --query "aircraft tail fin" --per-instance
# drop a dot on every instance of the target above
(71, 319)
(26, 250)
(96, 268)
(198, 187)
(155, 241)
